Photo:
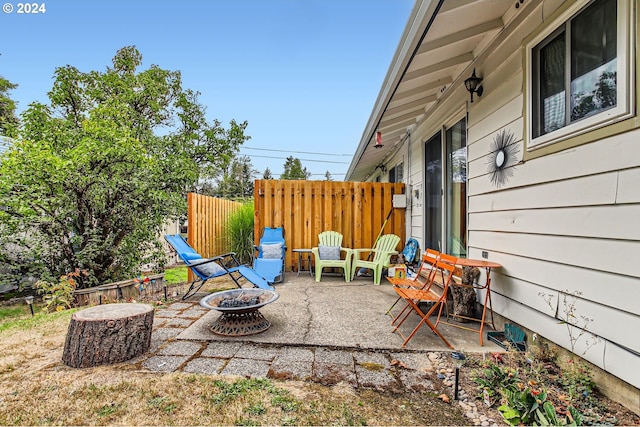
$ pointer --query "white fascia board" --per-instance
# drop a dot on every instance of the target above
(418, 24)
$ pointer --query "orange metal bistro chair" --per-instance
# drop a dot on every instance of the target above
(422, 280)
(414, 297)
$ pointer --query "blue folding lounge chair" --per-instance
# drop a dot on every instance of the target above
(268, 258)
(209, 268)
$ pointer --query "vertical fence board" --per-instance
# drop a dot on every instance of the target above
(308, 213)
(306, 208)
(287, 214)
(207, 218)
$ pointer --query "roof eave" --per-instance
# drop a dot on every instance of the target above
(417, 26)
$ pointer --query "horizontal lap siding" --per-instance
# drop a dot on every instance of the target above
(564, 222)
(566, 233)
(307, 208)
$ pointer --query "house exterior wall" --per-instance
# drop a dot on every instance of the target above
(564, 221)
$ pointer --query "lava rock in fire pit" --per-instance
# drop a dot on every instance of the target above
(239, 302)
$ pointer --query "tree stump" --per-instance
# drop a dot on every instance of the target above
(464, 297)
(109, 333)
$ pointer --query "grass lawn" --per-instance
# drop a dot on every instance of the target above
(36, 388)
(176, 275)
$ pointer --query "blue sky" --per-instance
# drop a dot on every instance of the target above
(304, 73)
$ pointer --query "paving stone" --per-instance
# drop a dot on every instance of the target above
(180, 306)
(251, 351)
(155, 345)
(364, 358)
(334, 373)
(205, 365)
(180, 348)
(283, 369)
(222, 349)
(417, 361)
(247, 368)
(165, 333)
(296, 354)
(159, 322)
(166, 313)
(376, 376)
(195, 312)
(178, 321)
(327, 355)
(164, 363)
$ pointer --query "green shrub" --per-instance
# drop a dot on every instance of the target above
(494, 379)
(240, 232)
(57, 296)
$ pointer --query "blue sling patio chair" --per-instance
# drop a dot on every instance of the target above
(208, 268)
(268, 256)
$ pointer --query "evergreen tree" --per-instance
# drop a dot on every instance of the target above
(293, 169)
(327, 176)
(237, 179)
(267, 174)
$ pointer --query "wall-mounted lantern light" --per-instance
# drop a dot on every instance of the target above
(473, 84)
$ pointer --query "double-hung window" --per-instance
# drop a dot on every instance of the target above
(396, 173)
(579, 71)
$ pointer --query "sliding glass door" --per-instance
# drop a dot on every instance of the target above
(433, 193)
(445, 193)
(456, 185)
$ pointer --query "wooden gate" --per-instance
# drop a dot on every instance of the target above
(306, 208)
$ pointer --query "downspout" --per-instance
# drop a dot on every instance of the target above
(409, 189)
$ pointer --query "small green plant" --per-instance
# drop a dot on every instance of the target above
(162, 403)
(494, 380)
(230, 391)
(351, 419)
(57, 296)
(108, 410)
(577, 381)
(240, 232)
(285, 401)
(529, 406)
(257, 409)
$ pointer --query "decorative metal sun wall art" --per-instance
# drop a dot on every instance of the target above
(502, 158)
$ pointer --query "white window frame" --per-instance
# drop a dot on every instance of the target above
(626, 87)
(397, 168)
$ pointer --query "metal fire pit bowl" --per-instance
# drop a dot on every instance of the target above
(239, 321)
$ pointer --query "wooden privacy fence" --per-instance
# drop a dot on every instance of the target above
(207, 218)
(307, 208)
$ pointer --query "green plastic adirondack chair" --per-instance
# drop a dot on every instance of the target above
(329, 253)
(380, 256)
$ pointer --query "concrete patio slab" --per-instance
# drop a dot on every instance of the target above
(333, 313)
